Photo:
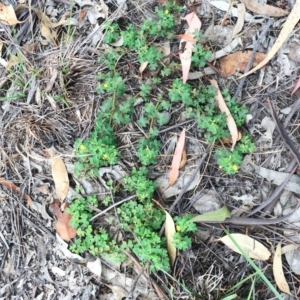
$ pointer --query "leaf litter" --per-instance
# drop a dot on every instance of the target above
(55, 129)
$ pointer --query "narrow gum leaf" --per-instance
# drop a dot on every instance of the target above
(219, 215)
(169, 233)
(278, 271)
(60, 176)
(251, 247)
(177, 157)
(186, 57)
(223, 108)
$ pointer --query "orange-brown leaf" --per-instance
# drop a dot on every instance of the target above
(237, 62)
(186, 37)
(174, 173)
(14, 188)
(63, 227)
(183, 159)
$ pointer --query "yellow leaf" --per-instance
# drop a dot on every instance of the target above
(287, 28)
(8, 16)
(169, 233)
(278, 272)
(60, 177)
(253, 248)
(223, 108)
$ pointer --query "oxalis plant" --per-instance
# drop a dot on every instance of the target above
(139, 220)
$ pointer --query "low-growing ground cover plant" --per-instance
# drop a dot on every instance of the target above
(149, 107)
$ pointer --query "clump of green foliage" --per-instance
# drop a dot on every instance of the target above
(98, 150)
(140, 219)
(96, 241)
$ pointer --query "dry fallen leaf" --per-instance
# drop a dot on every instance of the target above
(240, 21)
(8, 16)
(60, 176)
(47, 34)
(95, 267)
(223, 108)
(119, 292)
(82, 14)
(289, 248)
(143, 66)
(169, 233)
(186, 37)
(183, 159)
(237, 62)
(63, 227)
(296, 87)
(278, 271)
(264, 9)
(14, 188)
(186, 57)
(253, 248)
(174, 173)
(228, 140)
(287, 28)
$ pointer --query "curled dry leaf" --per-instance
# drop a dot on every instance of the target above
(174, 173)
(237, 62)
(286, 30)
(169, 233)
(278, 271)
(60, 176)
(63, 227)
(186, 57)
(223, 108)
(14, 188)
(251, 247)
(264, 9)
(8, 15)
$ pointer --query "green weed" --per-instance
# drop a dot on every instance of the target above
(140, 219)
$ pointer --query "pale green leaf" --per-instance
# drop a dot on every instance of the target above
(219, 215)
